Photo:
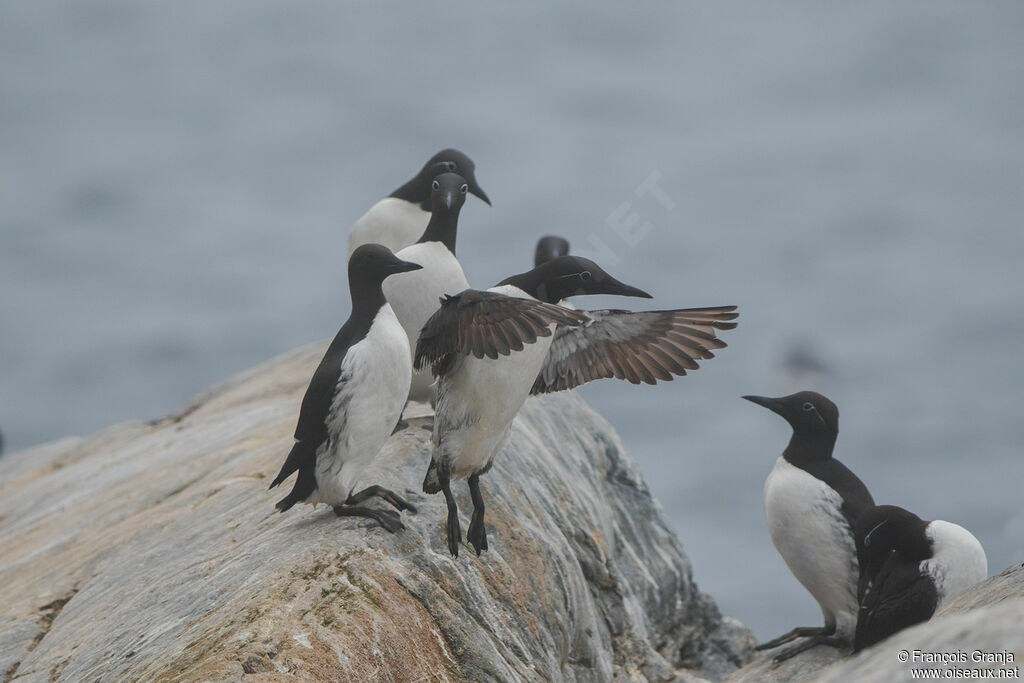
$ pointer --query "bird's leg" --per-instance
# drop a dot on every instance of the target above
(818, 639)
(388, 519)
(798, 632)
(477, 534)
(453, 528)
(387, 494)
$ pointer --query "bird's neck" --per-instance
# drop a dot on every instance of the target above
(416, 191)
(535, 286)
(367, 299)
(804, 449)
(443, 227)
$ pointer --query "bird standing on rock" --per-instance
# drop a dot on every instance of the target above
(400, 218)
(910, 568)
(354, 400)
(414, 296)
(491, 349)
(812, 503)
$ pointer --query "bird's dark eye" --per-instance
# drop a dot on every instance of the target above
(452, 167)
(585, 275)
(808, 406)
(436, 185)
(464, 189)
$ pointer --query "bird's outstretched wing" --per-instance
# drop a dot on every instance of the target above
(640, 347)
(487, 324)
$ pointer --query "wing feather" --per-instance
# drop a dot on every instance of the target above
(486, 324)
(644, 346)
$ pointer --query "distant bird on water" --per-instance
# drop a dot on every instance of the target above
(910, 568)
(812, 503)
(400, 218)
(354, 400)
(491, 349)
(414, 296)
(550, 247)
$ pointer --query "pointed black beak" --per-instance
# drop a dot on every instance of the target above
(400, 266)
(612, 286)
(449, 199)
(772, 404)
(478, 191)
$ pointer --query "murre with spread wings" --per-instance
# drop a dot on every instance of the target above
(400, 218)
(909, 569)
(812, 503)
(491, 349)
(354, 400)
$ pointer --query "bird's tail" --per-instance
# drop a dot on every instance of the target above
(302, 459)
(291, 463)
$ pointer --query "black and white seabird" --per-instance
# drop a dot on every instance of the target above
(354, 400)
(549, 248)
(492, 349)
(812, 503)
(910, 568)
(400, 218)
(414, 296)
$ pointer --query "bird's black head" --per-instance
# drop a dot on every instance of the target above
(418, 190)
(550, 247)
(448, 193)
(371, 263)
(808, 412)
(568, 276)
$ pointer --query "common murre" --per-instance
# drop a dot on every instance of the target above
(910, 568)
(549, 248)
(354, 399)
(400, 218)
(812, 503)
(414, 296)
(491, 349)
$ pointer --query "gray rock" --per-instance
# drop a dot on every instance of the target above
(153, 551)
(989, 618)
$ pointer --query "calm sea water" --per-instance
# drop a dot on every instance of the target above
(177, 181)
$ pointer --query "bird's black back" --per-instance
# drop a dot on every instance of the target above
(855, 495)
(311, 430)
(899, 596)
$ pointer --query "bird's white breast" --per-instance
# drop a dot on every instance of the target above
(416, 295)
(958, 561)
(368, 401)
(480, 398)
(809, 531)
(393, 222)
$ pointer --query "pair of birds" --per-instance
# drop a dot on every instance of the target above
(417, 330)
(874, 570)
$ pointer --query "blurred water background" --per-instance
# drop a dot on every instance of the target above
(177, 181)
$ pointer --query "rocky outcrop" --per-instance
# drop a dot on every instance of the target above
(988, 619)
(152, 551)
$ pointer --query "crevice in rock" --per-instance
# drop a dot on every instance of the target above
(48, 613)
